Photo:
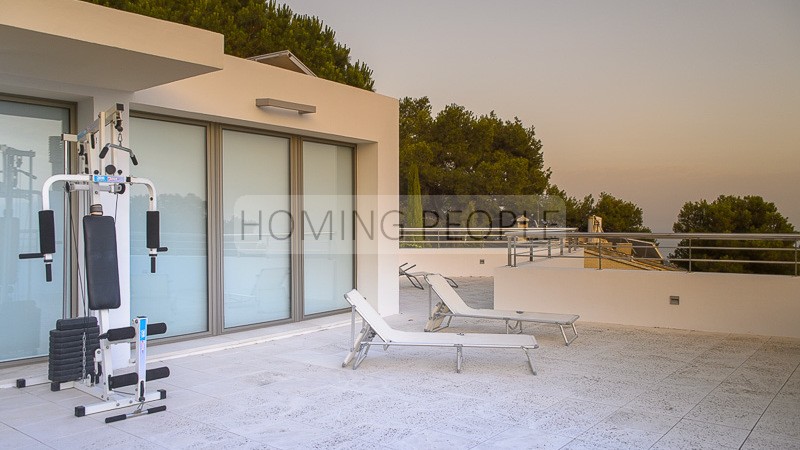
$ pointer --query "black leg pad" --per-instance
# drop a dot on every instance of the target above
(120, 334)
(157, 373)
(118, 418)
(127, 379)
(156, 328)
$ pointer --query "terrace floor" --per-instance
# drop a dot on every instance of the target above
(284, 387)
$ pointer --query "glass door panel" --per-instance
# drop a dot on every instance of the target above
(327, 226)
(257, 228)
(173, 156)
(30, 152)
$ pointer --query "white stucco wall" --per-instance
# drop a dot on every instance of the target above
(456, 262)
(466, 262)
(733, 303)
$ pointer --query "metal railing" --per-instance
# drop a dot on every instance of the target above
(458, 237)
(718, 252)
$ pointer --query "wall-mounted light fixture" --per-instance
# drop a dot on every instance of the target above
(275, 103)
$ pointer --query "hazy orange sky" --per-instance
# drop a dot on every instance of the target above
(658, 103)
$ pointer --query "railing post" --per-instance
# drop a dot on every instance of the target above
(796, 248)
(508, 246)
(599, 256)
(515, 251)
(690, 255)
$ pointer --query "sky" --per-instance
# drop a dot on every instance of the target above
(658, 103)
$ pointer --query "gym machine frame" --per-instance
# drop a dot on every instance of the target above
(102, 270)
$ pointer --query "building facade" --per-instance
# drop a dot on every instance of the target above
(270, 213)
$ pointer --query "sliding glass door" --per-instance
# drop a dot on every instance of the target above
(257, 228)
(173, 156)
(30, 152)
(327, 226)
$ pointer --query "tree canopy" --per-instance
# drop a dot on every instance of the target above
(733, 214)
(459, 153)
(257, 27)
(618, 215)
(577, 211)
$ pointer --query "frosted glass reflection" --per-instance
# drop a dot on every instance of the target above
(257, 228)
(30, 151)
(327, 226)
(173, 156)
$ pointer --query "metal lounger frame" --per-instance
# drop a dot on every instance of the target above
(442, 311)
(365, 339)
(413, 277)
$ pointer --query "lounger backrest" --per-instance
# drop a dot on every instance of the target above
(448, 295)
(368, 313)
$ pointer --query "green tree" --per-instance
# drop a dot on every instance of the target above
(415, 128)
(413, 217)
(577, 211)
(733, 214)
(459, 153)
(256, 27)
(619, 215)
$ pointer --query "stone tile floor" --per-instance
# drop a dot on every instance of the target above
(284, 387)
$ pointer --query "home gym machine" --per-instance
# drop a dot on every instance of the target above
(81, 348)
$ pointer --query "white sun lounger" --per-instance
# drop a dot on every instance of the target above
(374, 325)
(451, 305)
(413, 277)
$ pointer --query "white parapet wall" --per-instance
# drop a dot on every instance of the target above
(455, 262)
(731, 303)
(479, 262)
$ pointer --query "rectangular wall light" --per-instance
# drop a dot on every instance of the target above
(275, 103)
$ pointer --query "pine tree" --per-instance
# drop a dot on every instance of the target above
(256, 27)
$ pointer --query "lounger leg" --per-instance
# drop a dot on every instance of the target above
(574, 334)
(415, 282)
(356, 347)
(530, 361)
(459, 358)
(362, 354)
(437, 317)
(518, 325)
(363, 348)
(365, 328)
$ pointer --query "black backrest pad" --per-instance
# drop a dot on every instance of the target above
(102, 270)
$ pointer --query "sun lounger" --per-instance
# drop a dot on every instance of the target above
(451, 305)
(413, 277)
(374, 325)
